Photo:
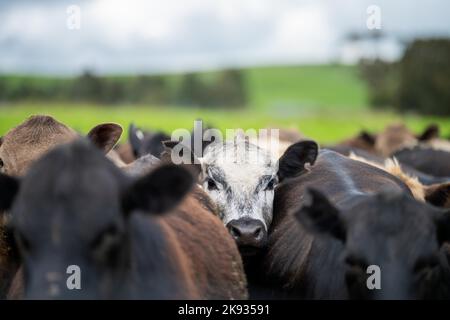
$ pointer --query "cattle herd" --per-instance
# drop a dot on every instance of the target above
(306, 222)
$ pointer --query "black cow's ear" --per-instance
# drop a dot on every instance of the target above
(318, 215)
(105, 136)
(438, 194)
(293, 160)
(430, 132)
(159, 191)
(9, 187)
(442, 221)
(367, 137)
(135, 137)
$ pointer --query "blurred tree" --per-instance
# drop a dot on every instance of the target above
(382, 81)
(425, 77)
(192, 91)
(112, 91)
(230, 89)
(88, 87)
(149, 89)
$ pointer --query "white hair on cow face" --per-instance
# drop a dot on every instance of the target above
(240, 178)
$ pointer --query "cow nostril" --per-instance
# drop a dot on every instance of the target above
(257, 233)
(235, 232)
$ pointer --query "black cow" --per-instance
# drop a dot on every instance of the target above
(411, 162)
(402, 237)
(299, 262)
(146, 142)
(428, 160)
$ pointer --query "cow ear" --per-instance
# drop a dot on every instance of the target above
(431, 132)
(105, 136)
(135, 137)
(367, 137)
(159, 191)
(442, 222)
(294, 159)
(318, 215)
(9, 187)
(438, 194)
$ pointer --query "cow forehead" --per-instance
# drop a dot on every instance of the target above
(249, 175)
(242, 153)
(20, 153)
(239, 165)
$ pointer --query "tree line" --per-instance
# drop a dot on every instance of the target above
(224, 88)
(419, 82)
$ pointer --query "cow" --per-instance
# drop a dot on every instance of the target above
(240, 177)
(38, 134)
(401, 237)
(410, 161)
(19, 148)
(132, 238)
(431, 161)
(146, 142)
(300, 263)
(364, 141)
(393, 138)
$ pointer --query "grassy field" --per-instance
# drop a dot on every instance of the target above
(327, 103)
(325, 126)
(311, 87)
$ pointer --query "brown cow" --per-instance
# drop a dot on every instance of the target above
(30, 140)
(129, 237)
(393, 138)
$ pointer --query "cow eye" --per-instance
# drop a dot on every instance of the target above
(211, 184)
(270, 185)
(2, 164)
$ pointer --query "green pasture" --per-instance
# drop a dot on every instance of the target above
(326, 102)
(325, 125)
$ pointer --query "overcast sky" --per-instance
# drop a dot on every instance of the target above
(129, 36)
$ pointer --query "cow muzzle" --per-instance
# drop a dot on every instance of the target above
(249, 234)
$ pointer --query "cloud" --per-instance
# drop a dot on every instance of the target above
(171, 35)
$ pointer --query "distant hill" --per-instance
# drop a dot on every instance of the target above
(280, 87)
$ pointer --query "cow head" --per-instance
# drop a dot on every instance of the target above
(145, 142)
(240, 177)
(401, 236)
(74, 207)
(31, 139)
(397, 136)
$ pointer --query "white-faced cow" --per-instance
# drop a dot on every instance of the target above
(240, 177)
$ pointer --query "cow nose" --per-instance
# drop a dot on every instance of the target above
(247, 232)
